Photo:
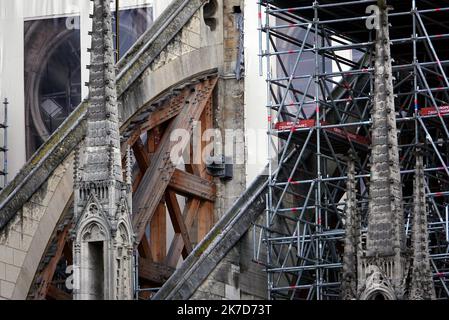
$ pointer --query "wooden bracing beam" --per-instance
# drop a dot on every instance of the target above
(177, 245)
(182, 182)
(55, 293)
(189, 185)
(49, 271)
(206, 212)
(178, 221)
(154, 272)
(155, 190)
(157, 177)
(158, 233)
(145, 249)
(142, 157)
(167, 112)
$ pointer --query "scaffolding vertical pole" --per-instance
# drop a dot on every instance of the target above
(117, 29)
(259, 20)
(307, 186)
(136, 274)
(269, 197)
(318, 152)
(5, 143)
(447, 222)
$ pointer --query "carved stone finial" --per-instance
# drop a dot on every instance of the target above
(421, 282)
(385, 239)
(96, 234)
(352, 228)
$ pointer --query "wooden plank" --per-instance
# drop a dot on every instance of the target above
(55, 293)
(178, 220)
(158, 232)
(142, 157)
(169, 111)
(189, 185)
(182, 182)
(158, 175)
(145, 249)
(177, 245)
(152, 142)
(49, 271)
(154, 272)
(205, 219)
(199, 167)
(206, 212)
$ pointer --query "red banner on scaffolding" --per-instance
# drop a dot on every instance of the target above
(309, 123)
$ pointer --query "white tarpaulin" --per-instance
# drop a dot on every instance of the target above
(43, 54)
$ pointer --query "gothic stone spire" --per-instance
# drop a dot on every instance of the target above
(103, 139)
(421, 283)
(385, 220)
(103, 235)
(352, 228)
(382, 267)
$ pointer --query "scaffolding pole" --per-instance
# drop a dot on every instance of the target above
(319, 59)
(4, 148)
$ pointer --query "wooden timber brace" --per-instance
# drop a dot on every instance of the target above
(162, 191)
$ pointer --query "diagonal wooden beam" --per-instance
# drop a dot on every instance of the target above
(168, 111)
(154, 272)
(178, 220)
(171, 110)
(55, 293)
(182, 182)
(177, 245)
(145, 249)
(49, 271)
(158, 175)
(189, 185)
(142, 157)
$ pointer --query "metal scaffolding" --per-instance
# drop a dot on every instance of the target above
(319, 58)
(4, 147)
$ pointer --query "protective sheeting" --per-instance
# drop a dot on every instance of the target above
(43, 54)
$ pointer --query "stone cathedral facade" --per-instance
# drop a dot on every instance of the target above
(383, 267)
(103, 239)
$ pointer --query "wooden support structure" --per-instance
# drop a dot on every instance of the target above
(177, 245)
(49, 271)
(154, 272)
(163, 191)
(178, 221)
(189, 185)
(55, 293)
(158, 233)
(206, 212)
(158, 175)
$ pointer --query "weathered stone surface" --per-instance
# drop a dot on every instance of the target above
(53, 152)
(217, 244)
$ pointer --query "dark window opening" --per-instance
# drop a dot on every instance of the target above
(96, 270)
(52, 76)
(53, 68)
(237, 9)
